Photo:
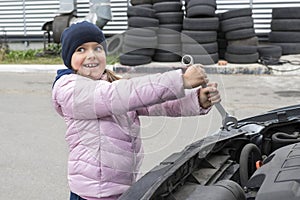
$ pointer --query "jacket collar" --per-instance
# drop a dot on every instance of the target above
(62, 72)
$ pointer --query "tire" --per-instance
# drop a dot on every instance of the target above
(159, 1)
(236, 13)
(206, 59)
(200, 49)
(140, 41)
(173, 48)
(198, 36)
(242, 59)
(114, 44)
(134, 60)
(142, 22)
(284, 36)
(200, 11)
(139, 2)
(285, 25)
(191, 3)
(145, 32)
(237, 23)
(286, 13)
(167, 57)
(269, 51)
(126, 49)
(148, 5)
(252, 41)
(201, 24)
(169, 28)
(170, 17)
(241, 49)
(140, 11)
(167, 7)
(289, 48)
(168, 38)
(240, 34)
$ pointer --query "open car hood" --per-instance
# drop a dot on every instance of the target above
(260, 159)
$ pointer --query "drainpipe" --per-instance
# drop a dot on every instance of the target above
(251, 3)
(100, 12)
(67, 6)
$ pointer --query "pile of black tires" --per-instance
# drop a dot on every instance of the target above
(285, 29)
(140, 40)
(238, 28)
(170, 16)
(199, 34)
(164, 31)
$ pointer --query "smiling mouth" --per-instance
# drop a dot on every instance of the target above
(92, 65)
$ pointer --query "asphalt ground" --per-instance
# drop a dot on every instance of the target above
(33, 158)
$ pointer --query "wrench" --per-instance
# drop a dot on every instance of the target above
(226, 118)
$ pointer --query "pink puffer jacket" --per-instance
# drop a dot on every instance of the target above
(103, 126)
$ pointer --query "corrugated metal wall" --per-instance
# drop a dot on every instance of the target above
(23, 19)
(262, 10)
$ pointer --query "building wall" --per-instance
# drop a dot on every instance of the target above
(23, 19)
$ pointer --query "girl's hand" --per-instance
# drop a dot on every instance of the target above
(209, 95)
(194, 76)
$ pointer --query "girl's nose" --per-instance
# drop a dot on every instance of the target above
(91, 55)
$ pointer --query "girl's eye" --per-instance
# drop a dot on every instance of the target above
(99, 48)
(80, 49)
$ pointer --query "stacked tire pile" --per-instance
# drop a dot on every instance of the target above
(238, 27)
(199, 34)
(140, 40)
(170, 16)
(285, 29)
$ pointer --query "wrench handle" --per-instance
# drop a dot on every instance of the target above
(221, 110)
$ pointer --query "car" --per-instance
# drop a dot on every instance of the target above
(257, 159)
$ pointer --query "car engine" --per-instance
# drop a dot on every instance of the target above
(279, 176)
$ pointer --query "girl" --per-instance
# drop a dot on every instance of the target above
(102, 112)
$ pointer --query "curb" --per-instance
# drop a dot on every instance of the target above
(211, 69)
(30, 68)
(159, 67)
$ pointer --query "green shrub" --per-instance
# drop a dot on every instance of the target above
(21, 55)
(50, 56)
(54, 49)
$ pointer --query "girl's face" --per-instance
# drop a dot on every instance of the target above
(89, 60)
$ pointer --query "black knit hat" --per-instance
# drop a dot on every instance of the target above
(76, 35)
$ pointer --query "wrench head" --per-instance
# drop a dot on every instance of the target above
(187, 60)
(228, 121)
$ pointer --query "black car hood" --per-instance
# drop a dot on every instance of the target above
(214, 158)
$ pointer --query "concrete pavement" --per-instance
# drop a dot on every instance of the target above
(33, 159)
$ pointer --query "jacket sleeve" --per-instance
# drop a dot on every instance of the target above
(186, 106)
(83, 98)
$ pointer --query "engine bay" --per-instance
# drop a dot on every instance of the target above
(258, 160)
(260, 166)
